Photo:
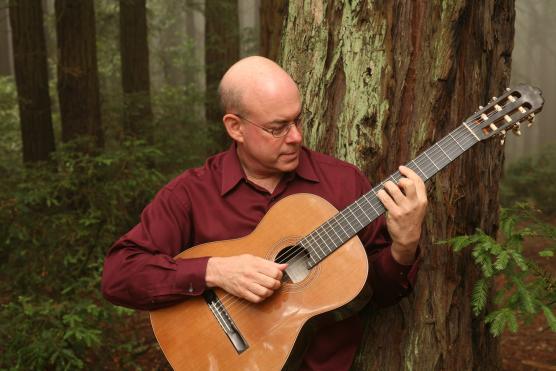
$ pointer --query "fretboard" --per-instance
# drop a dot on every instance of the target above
(332, 234)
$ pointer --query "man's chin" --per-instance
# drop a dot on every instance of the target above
(289, 163)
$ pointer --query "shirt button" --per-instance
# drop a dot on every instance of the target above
(190, 288)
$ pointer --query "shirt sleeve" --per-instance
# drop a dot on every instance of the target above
(139, 269)
(390, 280)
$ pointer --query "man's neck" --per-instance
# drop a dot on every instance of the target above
(268, 181)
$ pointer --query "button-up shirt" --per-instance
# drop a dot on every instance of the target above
(217, 202)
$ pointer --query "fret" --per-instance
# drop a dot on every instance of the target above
(312, 235)
(370, 203)
(348, 224)
(325, 243)
(456, 142)
(329, 222)
(437, 168)
(361, 225)
(438, 145)
(340, 224)
(424, 176)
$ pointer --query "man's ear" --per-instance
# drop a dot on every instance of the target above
(232, 123)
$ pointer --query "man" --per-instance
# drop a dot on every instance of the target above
(228, 196)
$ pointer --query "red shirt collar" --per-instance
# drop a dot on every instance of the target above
(232, 172)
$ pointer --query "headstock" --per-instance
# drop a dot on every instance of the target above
(506, 112)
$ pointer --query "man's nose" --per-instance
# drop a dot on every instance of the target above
(294, 135)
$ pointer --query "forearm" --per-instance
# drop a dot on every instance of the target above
(138, 279)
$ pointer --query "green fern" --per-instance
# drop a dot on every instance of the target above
(528, 289)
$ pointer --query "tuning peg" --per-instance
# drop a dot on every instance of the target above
(503, 140)
(481, 107)
(494, 98)
(516, 130)
(508, 89)
(531, 119)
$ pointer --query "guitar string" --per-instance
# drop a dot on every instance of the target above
(229, 300)
(461, 132)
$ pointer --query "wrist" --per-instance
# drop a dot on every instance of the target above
(211, 274)
(404, 253)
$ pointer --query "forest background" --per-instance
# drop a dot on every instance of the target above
(68, 194)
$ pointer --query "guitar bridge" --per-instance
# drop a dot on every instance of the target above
(225, 321)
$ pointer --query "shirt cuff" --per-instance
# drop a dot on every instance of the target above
(391, 280)
(191, 275)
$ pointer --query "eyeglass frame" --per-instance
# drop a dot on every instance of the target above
(296, 121)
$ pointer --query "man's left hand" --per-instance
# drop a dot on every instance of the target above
(406, 203)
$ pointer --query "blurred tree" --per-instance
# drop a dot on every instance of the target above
(6, 60)
(380, 82)
(26, 19)
(137, 118)
(272, 15)
(78, 87)
(221, 51)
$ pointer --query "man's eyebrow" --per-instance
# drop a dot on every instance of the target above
(288, 121)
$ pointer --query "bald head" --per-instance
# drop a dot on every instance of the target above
(252, 81)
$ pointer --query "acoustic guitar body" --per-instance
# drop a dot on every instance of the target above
(193, 336)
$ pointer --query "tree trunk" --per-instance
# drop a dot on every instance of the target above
(221, 51)
(272, 14)
(31, 77)
(382, 81)
(6, 60)
(137, 120)
(78, 89)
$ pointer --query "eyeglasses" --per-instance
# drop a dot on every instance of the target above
(278, 132)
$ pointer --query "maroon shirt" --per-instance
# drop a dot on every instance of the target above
(217, 202)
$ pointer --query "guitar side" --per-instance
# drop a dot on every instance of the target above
(191, 337)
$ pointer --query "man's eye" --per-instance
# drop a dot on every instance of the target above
(280, 130)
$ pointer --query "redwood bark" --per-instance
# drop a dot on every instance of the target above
(137, 119)
(272, 14)
(31, 76)
(78, 88)
(221, 51)
(381, 82)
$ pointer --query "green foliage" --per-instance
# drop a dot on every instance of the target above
(55, 226)
(52, 333)
(527, 288)
(532, 179)
(57, 220)
(10, 146)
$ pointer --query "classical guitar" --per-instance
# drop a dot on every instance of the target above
(327, 264)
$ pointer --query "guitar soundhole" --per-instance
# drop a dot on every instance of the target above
(297, 258)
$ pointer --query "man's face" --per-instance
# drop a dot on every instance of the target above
(266, 154)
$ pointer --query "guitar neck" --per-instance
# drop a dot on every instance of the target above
(329, 236)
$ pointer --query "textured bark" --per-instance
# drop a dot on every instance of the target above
(31, 77)
(78, 89)
(272, 14)
(6, 57)
(137, 120)
(382, 81)
(221, 51)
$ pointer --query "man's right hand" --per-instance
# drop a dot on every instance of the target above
(245, 276)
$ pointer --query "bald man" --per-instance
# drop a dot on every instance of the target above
(228, 196)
